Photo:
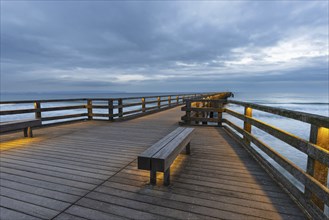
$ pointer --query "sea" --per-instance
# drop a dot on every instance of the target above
(303, 102)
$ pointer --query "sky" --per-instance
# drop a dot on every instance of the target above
(165, 46)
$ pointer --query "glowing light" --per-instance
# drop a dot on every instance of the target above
(320, 169)
(8, 143)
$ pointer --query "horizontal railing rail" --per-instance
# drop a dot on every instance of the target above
(315, 195)
(59, 110)
(317, 120)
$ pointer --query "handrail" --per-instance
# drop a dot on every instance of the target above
(306, 147)
(317, 120)
(316, 194)
(100, 108)
(104, 99)
(41, 101)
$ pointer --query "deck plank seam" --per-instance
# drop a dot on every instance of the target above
(232, 191)
(48, 197)
(52, 170)
(147, 203)
(31, 203)
(223, 191)
(63, 167)
(46, 181)
(40, 186)
(47, 138)
(185, 195)
(27, 203)
(198, 213)
(82, 160)
(21, 212)
(60, 172)
(75, 203)
(235, 204)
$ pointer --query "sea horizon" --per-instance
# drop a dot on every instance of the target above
(257, 97)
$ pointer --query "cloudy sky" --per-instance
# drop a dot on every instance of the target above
(170, 46)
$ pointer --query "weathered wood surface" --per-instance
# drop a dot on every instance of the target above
(165, 157)
(318, 120)
(19, 124)
(25, 125)
(144, 159)
(88, 170)
(162, 154)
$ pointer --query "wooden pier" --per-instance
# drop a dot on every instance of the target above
(88, 170)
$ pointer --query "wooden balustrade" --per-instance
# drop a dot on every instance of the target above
(96, 108)
(314, 179)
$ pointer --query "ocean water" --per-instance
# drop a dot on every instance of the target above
(311, 103)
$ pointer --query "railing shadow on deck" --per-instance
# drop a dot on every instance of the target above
(259, 180)
(315, 196)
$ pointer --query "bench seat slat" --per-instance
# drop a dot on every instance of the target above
(19, 124)
(164, 158)
(162, 154)
(144, 159)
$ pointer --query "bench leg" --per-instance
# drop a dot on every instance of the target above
(29, 132)
(188, 149)
(25, 132)
(153, 177)
(166, 177)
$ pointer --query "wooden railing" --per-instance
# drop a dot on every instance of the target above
(316, 193)
(112, 109)
(314, 179)
(205, 111)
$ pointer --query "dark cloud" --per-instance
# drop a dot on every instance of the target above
(149, 46)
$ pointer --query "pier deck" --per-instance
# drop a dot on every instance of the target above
(87, 170)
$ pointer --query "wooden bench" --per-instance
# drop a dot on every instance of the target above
(26, 125)
(161, 155)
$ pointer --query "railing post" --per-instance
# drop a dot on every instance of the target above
(219, 106)
(120, 112)
(143, 104)
(177, 100)
(197, 114)
(247, 126)
(204, 114)
(110, 104)
(212, 104)
(169, 101)
(159, 102)
(37, 107)
(318, 170)
(188, 112)
(90, 109)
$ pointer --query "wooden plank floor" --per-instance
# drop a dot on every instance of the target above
(87, 170)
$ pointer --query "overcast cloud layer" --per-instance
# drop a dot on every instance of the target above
(164, 46)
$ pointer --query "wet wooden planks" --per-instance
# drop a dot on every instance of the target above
(88, 170)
